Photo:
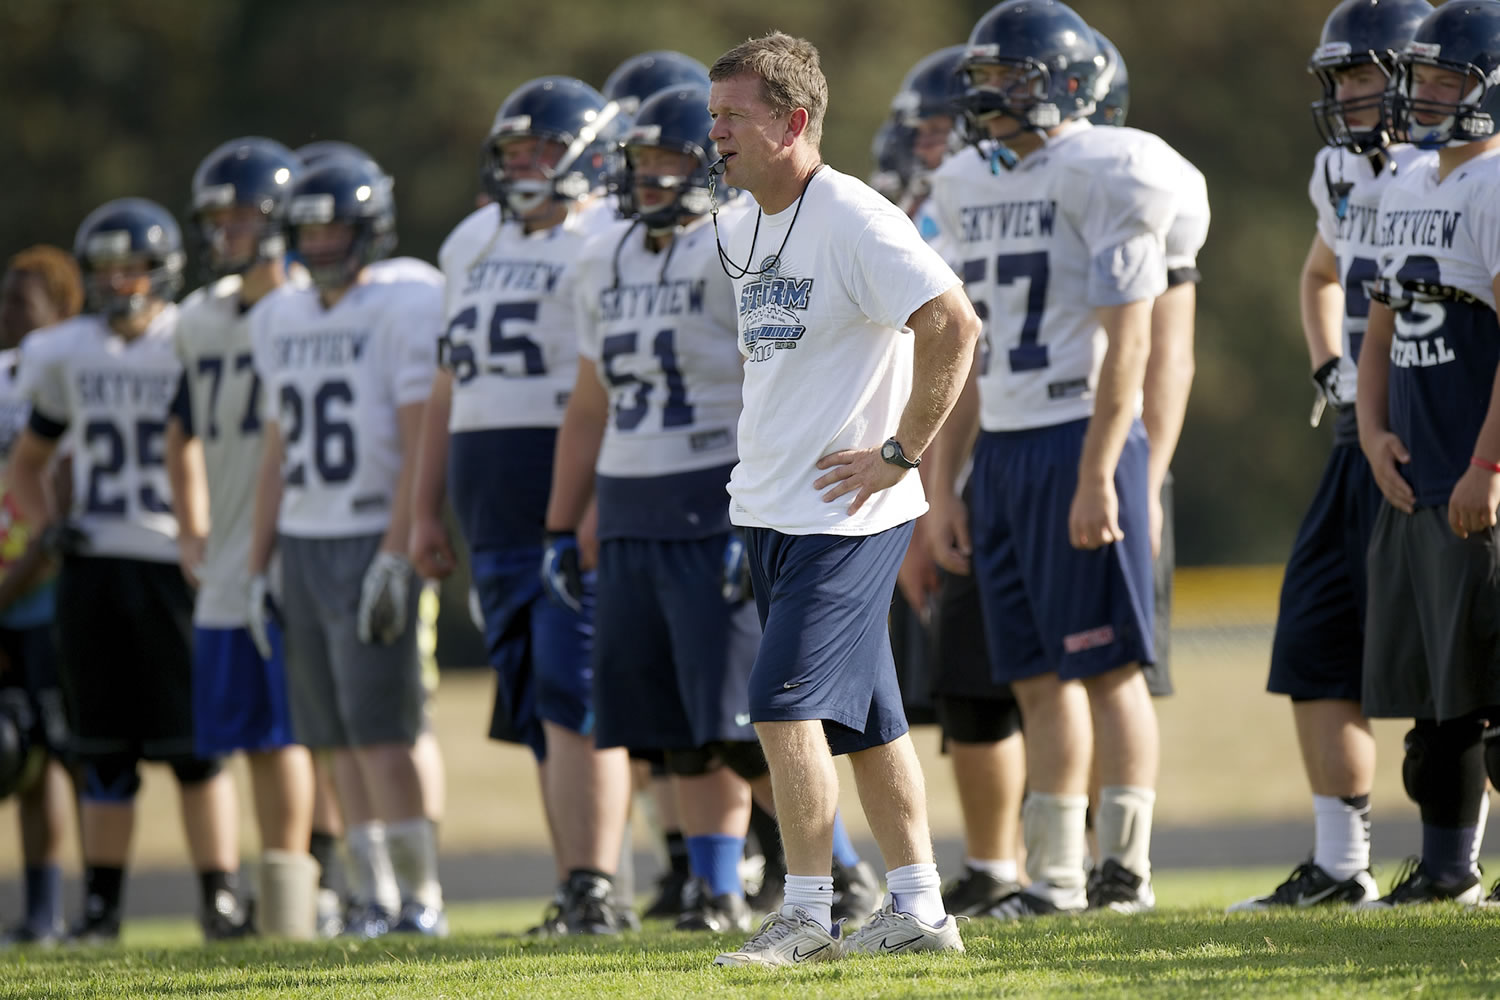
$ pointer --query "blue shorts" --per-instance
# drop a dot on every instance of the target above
(672, 660)
(1048, 607)
(825, 651)
(239, 700)
(541, 651)
(1320, 628)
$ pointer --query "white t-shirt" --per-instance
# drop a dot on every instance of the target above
(509, 319)
(1345, 190)
(828, 353)
(661, 329)
(112, 396)
(1077, 225)
(1189, 229)
(333, 380)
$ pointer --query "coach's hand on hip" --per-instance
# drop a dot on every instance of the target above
(1094, 518)
(858, 469)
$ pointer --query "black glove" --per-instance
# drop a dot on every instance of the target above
(64, 538)
(734, 581)
(562, 576)
(1327, 389)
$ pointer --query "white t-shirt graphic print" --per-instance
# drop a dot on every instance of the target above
(828, 354)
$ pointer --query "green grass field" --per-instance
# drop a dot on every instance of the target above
(1187, 949)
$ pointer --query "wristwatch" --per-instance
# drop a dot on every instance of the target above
(892, 452)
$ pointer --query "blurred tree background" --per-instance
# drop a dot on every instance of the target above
(105, 99)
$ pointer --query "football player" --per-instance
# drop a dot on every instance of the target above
(240, 193)
(1060, 227)
(1317, 653)
(1428, 375)
(509, 362)
(124, 612)
(41, 287)
(345, 364)
(638, 77)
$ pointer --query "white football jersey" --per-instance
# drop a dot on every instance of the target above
(822, 325)
(1079, 224)
(113, 396)
(661, 329)
(15, 408)
(510, 342)
(1345, 190)
(1189, 229)
(226, 402)
(333, 380)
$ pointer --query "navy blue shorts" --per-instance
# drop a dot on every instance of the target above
(825, 651)
(672, 660)
(1048, 607)
(239, 700)
(541, 651)
(1319, 645)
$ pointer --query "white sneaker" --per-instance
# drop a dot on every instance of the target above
(890, 931)
(784, 940)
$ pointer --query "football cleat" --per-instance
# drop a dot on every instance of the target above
(856, 893)
(552, 917)
(1025, 904)
(96, 928)
(1310, 885)
(974, 892)
(716, 914)
(33, 935)
(367, 920)
(1413, 885)
(1112, 886)
(226, 920)
(671, 899)
(1493, 899)
(587, 909)
(787, 940)
(415, 918)
(890, 932)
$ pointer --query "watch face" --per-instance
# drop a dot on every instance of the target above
(888, 451)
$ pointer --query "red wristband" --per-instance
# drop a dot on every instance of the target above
(1480, 463)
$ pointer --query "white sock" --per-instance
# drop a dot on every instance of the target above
(812, 894)
(917, 890)
(1341, 845)
(370, 866)
(1005, 871)
(1484, 817)
(1124, 826)
(413, 849)
(1053, 826)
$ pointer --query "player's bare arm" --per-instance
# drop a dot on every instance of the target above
(409, 430)
(267, 499)
(1322, 299)
(28, 477)
(1168, 382)
(189, 480)
(428, 545)
(946, 524)
(1476, 496)
(1094, 518)
(946, 330)
(1385, 451)
(578, 441)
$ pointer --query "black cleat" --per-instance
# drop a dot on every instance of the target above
(1025, 905)
(671, 899)
(1414, 885)
(1493, 899)
(856, 893)
(588, 909)
(715, 914)
(975, 892)
(367, 920)
(96, 928)
(227, 920)
(33, 936)
(416, 918)
(1311, 885)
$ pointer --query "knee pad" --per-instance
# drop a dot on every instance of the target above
(743, 757)
(1443, 770)
(689, 763)
(114, 779)
(195, 770)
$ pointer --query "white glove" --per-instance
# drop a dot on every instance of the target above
(258, 614)
(476, 610)
(383, 599)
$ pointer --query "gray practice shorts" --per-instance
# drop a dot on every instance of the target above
(1432, 629)
(344, 693)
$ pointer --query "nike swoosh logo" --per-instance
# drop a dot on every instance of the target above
(792, 684)
(798, 955)
(1318, 897)
(885, 944)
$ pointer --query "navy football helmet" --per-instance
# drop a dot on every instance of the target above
(675, 119)
(891, 151)
(348, 191)
(1462, 36)
(251, 171)
(1112, 96)
(638, 77)
(1057, 62)
(315, 154)
(1360, 33)
(129, 230)
(564, 110)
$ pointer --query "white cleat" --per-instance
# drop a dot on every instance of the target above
(890, 932)
(784, 940)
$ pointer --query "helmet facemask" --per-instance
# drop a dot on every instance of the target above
(109, 251)
(1457, 122)
(1331, 113)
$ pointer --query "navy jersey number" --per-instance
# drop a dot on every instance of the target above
(460, 358)
(1419, 319)
(1356, 299)
(630, 411)
(1029, 354)
(334, 457)
(212, 368)
(109, 450)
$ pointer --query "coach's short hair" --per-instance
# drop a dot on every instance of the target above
(790, 72)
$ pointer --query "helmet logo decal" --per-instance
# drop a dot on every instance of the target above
(108, 244)
(311, 208)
